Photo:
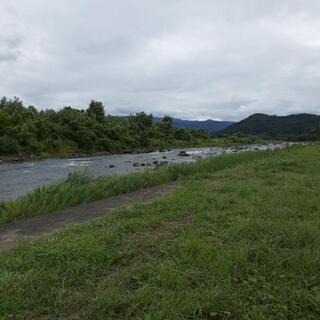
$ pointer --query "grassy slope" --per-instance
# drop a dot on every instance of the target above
(81, 188)
(239, 243)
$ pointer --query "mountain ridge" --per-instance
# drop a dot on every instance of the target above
(301, 126)
(209, 125)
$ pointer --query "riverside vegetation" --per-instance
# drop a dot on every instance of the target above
(81, 186)
(238, 240)
(26, 132)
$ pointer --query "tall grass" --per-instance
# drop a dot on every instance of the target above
(81, 187)
(236, 244)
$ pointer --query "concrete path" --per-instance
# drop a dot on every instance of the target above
(49, 222)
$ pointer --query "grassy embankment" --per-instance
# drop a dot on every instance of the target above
(241, 242)
(81, 187)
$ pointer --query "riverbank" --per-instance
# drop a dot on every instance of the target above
(239, 240)
(82, 187)
(12, 233)
(20, 178)
(213, 142)
(75, 155)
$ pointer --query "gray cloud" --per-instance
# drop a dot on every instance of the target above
(191, 59)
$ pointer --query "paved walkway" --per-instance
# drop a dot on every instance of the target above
(47, 223)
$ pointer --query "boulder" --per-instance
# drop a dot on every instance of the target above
(183, 153)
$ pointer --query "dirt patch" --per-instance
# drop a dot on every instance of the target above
(47, 223)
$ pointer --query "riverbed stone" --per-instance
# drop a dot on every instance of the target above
(183, 153)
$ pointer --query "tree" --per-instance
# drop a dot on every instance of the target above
(8, 145)
(143, 120)
(182, 134)
(140, 125)
(3, 122)
(96, 109)
(25, 131)
(12, 105)
(166, 123)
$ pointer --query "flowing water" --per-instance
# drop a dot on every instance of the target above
(17, 179)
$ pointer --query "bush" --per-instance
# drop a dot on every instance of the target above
(9, 145)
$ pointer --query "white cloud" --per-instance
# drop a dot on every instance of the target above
(191, 59)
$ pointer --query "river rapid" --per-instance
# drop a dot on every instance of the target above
(17, 179)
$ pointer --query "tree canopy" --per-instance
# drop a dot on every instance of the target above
(27, 131)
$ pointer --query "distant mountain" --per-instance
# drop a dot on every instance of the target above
(206, 125)
(297, 126)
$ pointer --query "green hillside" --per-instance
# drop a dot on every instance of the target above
(295, 127)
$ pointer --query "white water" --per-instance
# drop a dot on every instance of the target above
(19, 178)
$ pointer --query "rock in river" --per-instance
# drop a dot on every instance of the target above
(183, 153)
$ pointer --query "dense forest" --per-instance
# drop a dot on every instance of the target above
(299, 127)
(25, 131)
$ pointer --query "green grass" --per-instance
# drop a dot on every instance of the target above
(238, 242)
(81, 187)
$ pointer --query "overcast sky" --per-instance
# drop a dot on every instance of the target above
(193, 59)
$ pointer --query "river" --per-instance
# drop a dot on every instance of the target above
(17, 179)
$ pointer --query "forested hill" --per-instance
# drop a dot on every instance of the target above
(27, 131)
(294, 127)
(206, 125)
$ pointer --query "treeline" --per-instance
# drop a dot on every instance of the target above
(25, 131)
